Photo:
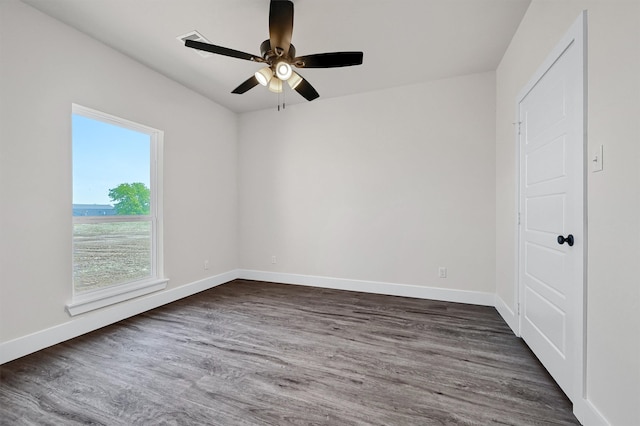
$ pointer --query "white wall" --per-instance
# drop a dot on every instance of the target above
(45, 66)
(613, 290)
(384, 186)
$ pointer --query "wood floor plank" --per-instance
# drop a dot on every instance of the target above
(255, 353)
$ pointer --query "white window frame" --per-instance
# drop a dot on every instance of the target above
(96, 299)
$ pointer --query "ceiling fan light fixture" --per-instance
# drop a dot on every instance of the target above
(264, 76)
(275, 85)
(283, 71)
(294, 80)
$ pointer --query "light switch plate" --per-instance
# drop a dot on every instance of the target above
(596, 160)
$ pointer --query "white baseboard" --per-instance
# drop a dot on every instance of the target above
(587, 414)
(391, 289)
(507, 314)
(94, 320)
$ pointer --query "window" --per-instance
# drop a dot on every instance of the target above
(116, 210)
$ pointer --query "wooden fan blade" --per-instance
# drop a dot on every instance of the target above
(222, 50)
(329, 60)
(280, 26)
(248, 84)
(306, 90)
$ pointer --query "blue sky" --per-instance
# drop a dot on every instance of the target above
(104, 156)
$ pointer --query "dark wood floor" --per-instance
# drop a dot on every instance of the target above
(253, 353)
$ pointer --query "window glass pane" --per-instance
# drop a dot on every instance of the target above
(111, 169)
(105, 254)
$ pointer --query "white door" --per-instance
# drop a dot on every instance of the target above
(551, 231)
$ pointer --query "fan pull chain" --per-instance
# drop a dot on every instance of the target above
(284, 105)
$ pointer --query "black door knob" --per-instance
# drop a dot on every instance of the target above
(568, 240)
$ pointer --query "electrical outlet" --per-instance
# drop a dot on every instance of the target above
(206, 265)
(442, 272)
(274, 260)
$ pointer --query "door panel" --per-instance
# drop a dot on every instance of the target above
(548, 267)
(547, 319)
(547, 162)
(546, 213)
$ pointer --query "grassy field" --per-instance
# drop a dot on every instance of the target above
(110, 253)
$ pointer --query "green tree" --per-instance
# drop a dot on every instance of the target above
(131, 198)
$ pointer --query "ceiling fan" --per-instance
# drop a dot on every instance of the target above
(279, 55)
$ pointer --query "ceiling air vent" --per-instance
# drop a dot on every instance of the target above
(194, 35)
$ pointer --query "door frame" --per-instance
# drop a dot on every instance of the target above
(576, 35)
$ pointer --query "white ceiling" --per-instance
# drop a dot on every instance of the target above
(404, 41)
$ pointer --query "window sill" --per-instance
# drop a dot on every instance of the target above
(109, 296)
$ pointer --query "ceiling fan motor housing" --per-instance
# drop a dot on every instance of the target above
(269, 55)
